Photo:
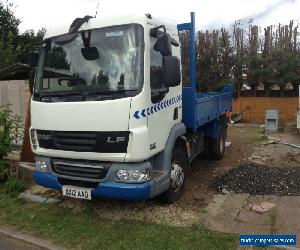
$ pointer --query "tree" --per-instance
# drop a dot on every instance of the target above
(28, 41)
(246, 58)
(8, 53)
(238, 67)
(13, 45)
(8, 34)
(9, 24)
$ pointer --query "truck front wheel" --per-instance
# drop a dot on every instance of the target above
(179, 163)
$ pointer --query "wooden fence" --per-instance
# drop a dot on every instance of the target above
(15, 93)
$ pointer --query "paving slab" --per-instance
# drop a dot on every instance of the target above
(30, 196)
(8, 243)
(27, 195)
(288, 216)
(233, 213)
(222, 211)
(16, 239)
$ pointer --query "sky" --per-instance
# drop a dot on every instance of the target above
(210, 14)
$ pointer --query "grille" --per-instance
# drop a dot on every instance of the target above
(78, 141)
(86, 170)
(101, 142)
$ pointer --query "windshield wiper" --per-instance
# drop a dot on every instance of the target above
(109, 94)
(85, 96)
(53, 96)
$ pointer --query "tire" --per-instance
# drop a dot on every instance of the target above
(224, 124)
(217, 146)
(206, 153)
(179, 163)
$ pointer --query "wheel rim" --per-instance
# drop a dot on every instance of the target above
(177, 176)
(221, 144)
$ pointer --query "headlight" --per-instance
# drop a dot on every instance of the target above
(133, 175)
(33, 139)
(41, 166)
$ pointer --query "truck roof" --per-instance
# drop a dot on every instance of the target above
(100, 22)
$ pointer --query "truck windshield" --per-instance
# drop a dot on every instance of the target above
(100, 61)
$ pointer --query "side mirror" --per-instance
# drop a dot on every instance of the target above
(90, 53)
(171, 71)
(31, 79)
(163, 44)
(32, 58)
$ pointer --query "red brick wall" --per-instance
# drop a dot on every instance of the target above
(287, 107)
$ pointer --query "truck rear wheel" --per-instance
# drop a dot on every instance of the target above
(217, 146)
(206, 151)
(179, 163)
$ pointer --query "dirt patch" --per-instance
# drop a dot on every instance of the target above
(243, 142)
(260, 179)
(275, 155)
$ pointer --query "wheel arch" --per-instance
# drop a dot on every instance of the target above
(162, 160)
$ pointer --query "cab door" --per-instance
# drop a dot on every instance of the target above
(165, 107)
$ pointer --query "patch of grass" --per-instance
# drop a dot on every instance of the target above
(203, 210)
(273, 218)
(251, 134)
(14, 186)
(257, 139)
(88, 230)
(260, 130)
(263, 138)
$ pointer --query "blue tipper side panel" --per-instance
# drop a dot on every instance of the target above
(201, 109)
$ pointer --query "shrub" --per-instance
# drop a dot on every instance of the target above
(14, 186)
(10, 135)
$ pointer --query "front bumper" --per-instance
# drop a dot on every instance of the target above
(125, 191)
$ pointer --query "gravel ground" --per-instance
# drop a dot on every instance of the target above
(259, 179)
(151, 211)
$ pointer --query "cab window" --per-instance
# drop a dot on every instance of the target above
(156, 72)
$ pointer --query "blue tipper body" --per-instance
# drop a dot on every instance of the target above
(201, 110)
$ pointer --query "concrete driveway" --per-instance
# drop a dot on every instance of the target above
(7, 243)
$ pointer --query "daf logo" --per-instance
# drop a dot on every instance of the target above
(44, 137)
(115, 139)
